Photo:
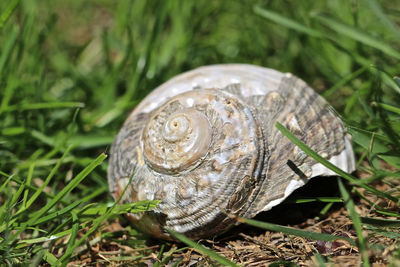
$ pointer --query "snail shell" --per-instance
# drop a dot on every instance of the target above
(205, 144)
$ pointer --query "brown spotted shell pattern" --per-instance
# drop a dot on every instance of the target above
(206, 145)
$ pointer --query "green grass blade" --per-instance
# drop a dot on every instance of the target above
(396, 79)
(5, 15)
(376, 7)
(295, 232)
(58, 213)
(50, 258)
(344, 81)
(378, 208)
(326, 208)
(318, 199)
(320, 259)
(9, 177)
(135, 207)
(283, 263)
(18, 181)
(286, 22)
(28, 182)
(202, 249)
(87, 141)
(159, 256)
(386, 77)
(387, 107)
(39, 106)
(48, 178)
(380, 222)
(388, 213)
(24, 242)
(372, 143)
(357, 34)
(94, 194)
(74, 233)
(6, 51)
(16, 195)
(329, 165)
(73, 183)
(12, 83)
(12, 131)
(356, 222)
(96, 223)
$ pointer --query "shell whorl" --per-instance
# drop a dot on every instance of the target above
(174, 143)
(205, 144)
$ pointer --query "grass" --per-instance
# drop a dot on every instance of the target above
(70, 73)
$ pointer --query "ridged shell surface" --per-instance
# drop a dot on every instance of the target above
(205, 144)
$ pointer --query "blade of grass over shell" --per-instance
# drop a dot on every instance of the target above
(294, 231)
(357, 34)
(329, 165)
(348, 202)
(286, 22)
(202, 249)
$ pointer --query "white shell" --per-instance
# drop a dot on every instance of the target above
(205, 143)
